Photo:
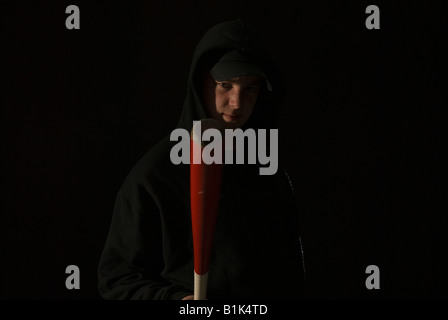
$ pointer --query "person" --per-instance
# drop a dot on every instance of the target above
(256, 252)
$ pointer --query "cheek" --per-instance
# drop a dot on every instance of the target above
(252, 102)
(220, 101)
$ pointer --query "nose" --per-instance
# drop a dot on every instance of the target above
(235, 98)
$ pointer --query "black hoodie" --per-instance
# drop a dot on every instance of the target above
(256, 252)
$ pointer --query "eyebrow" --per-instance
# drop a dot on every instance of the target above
(253, 83)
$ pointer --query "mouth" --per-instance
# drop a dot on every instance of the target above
(231, 117)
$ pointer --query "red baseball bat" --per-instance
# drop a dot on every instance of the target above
(205, 187)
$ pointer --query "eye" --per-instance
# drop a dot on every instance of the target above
(224, 85)
(253, 88)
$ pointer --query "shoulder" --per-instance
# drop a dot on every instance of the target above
(154, 166)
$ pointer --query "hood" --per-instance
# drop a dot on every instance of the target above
(216, 42)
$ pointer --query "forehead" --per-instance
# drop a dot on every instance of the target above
(245, 80)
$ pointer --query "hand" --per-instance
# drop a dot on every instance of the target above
(190, 297)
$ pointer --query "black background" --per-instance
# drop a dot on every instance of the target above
(360, 133)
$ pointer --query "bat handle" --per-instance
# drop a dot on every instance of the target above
(200, 286)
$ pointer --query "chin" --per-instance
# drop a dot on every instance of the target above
(236, 125)
(233, 124)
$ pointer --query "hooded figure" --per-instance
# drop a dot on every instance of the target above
(256, 252)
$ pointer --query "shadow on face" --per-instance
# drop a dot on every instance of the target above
(231, 101)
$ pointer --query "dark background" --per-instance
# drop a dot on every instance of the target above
(360, 133)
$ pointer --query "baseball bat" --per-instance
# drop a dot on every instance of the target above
(205, 187)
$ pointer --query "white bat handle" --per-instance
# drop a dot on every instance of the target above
(200, 286)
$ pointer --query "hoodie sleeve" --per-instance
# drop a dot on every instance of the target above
(132, 259)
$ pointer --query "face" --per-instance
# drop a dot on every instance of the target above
(232, 101)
